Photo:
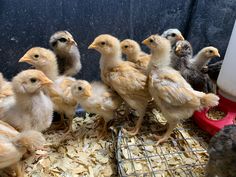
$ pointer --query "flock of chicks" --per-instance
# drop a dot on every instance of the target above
(167, 75)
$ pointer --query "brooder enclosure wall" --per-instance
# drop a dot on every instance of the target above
(28, 23)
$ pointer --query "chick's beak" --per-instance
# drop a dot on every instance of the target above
(180, 37)
(217, 54)
(178, 48)
(87, 92)
(92, 46)
(25, 59)
(145, 42)
(45, 81)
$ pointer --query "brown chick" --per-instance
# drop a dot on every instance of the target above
(16, 146)
(32, 109)
(67, 52)
(97, 98)
(47, 63)
(175, 97)
(134, 53)
(180, 60)
(129, 82)
(203, 57)
(173, 35)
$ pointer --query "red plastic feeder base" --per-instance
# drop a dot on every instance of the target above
(213, 126)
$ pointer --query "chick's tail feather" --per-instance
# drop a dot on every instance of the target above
(31, 140)
(209, 100)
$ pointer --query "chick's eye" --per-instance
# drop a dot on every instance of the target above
(54, 43)
(151, 40)
(62, 39)
(33, 80)
(173, 35)
(79, 88)
(210, 51)
(126, 46)
(36, 56)
(103, 43)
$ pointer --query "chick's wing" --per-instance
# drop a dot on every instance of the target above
(172, 88)
(6, 90)
(110, 100)
(127, 80)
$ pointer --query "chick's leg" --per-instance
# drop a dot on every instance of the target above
(60, 125)
(141, 113)
(19, 169)
(171, 125)
(103, 132)
(70, 122)
(62, 121)
(69, 129)
(99, 121)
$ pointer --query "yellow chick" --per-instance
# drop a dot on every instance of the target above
(173, 95)
(64, 102)
(5, 87)
(97, 98)
(134, 53)
(47, 63)
(32, 109)
(16, 146)
(67, 52)
(6, 95)
(204, 56)
(43, 60)
(129, 82)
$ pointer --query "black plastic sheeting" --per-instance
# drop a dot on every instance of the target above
(28, 23)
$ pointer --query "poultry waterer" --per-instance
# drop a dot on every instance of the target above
(227, 92)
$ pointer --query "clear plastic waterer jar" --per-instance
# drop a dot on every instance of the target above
(227, 77)
(227, 92)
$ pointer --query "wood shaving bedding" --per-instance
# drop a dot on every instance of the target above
(82, 155)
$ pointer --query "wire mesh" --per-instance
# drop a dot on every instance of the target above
(182, 155)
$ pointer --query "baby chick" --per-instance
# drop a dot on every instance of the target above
(42, 59)
(181, 54)
(67, 52)
(97, 98)
(173, 35)
(64, 102)
(134, 53)
(6, 95)
(129, 82)
(5, 87)
(180, 60)
(213, 70)
(222, 154)
(204, 56)
(17, 146)
(32, 109)
(46, 62)
(174, 96)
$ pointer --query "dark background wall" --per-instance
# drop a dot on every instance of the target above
(28, 23)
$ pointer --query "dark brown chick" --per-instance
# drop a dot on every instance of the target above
(67, 52)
